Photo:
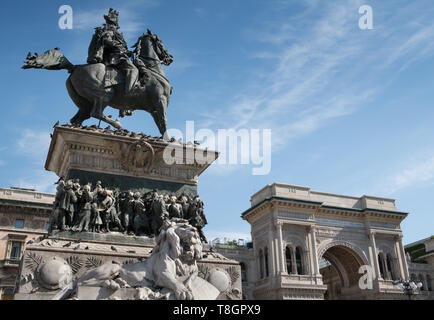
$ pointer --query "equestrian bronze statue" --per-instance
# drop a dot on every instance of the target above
(115, 76)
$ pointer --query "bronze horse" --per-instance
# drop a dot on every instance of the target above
(93, 87)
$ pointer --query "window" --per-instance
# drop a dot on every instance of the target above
(15, 250)
(421, 281)
(261, 264)
(381, 265)
(390, 270)
(266, 261)
(243, 272)
(298, 260)
(288, 255)
(19, 223)
(428, 283)
(7, 294)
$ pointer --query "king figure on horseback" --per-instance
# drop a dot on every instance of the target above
(115, 76)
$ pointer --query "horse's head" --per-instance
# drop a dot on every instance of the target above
(149, 44)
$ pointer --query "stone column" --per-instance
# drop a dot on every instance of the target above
(280, 249)
(403, 258)
(271, 252)
(374, 249)
(399, 261)
(314, 251)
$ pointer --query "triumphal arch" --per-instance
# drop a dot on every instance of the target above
(316, 245)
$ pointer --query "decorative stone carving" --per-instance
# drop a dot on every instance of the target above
(75, 263)
(171, 267)
(113, 155)
(55, 273)
(325, 246)
(33, 261)
(103, 210)
(137, 157)
(4, 221)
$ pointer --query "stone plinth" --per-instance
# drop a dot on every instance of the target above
(125, 161)
(84, 251)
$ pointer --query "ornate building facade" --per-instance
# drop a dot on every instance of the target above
(24, 216)
(316, 245)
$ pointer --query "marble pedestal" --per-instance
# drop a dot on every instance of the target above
(84, 251)
(126, 161)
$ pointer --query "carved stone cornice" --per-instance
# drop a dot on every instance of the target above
(139, 157)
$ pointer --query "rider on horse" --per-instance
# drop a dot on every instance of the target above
(109, 47)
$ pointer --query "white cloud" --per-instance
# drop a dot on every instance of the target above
(415, 173)
(42, 181)
(294, 97)
(328, 70)
(131, 20)
(34, 143)
(417, 46)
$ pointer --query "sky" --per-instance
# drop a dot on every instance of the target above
(351, 111)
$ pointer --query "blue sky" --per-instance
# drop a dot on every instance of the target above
(351, 110)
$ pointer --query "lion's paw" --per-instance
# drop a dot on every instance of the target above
(183, 293)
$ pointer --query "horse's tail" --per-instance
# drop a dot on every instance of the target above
(51, 60)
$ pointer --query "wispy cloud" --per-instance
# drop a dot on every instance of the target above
(131, 20)
(33, 143)
(294, 96)
(328, 71)
(413, 174)
(418, 46)
(39, 180)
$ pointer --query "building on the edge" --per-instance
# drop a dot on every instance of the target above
(24, 217)
(421, 267)
(311, 245)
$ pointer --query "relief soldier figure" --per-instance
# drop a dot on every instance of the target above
(159, 212)
(141, 221)
(55, 213)
(197, 217)
(66, 205)
(77, 206)
(128, 213)
(185, 203)
(106, 207)
(175, 208)
(84, 215)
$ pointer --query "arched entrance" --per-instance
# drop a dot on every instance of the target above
(339, 267)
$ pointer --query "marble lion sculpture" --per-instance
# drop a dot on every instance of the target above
(169, 273)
